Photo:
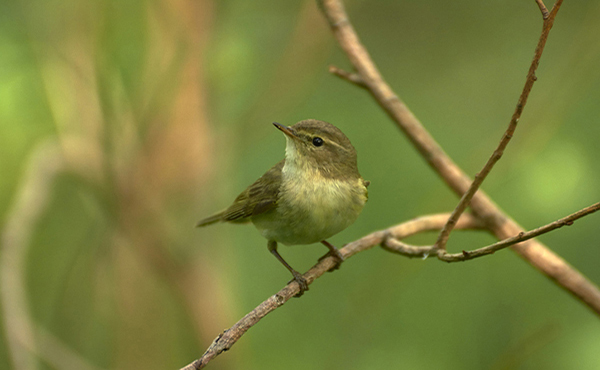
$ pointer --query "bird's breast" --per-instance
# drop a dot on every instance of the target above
(311, 208)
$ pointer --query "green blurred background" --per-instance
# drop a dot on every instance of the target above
(124, 122)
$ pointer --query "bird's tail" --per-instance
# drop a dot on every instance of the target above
(210, 220)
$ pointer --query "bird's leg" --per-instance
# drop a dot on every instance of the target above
(272, 245)
(335, 253)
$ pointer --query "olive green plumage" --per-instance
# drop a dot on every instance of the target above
(311, 195)
(257, 198)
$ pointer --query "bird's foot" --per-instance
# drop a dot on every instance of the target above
(302, 283)
(335, 253)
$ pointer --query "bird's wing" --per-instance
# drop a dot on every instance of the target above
(258, 198)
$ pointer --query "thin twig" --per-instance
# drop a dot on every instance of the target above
(497, 154)
(543, 8)
(411, 251)
(229, 337)
(345, 75)
(396, 246)
(535, 253)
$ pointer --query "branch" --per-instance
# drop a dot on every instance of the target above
(486, 212)
(543, 9)
(350, 77)
(229, 337)
(480, 177)
(396, 246)
(482, 206)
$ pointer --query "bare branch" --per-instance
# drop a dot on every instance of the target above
(543, 8)
(555, 9)
(230, 336)
(396, 246)
(535, 253)
(350, 77)
(486, 212)
(497, 154)
(407, 250)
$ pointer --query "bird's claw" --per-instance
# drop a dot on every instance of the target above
(302, 283)
(337, 256)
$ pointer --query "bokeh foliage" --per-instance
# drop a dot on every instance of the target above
(161, 113)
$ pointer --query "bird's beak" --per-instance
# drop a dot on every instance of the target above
(286, 130)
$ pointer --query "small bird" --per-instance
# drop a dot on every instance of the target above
(311, 195)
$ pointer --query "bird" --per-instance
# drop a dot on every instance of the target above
(315, 192)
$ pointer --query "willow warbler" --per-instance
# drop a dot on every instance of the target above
(311, 195)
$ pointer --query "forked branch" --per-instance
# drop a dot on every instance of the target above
(426, 223)
(485, 213)
(396, 246)
(389, 239)
(497, 154)
(502, 226)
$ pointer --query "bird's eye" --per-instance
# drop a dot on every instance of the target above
(317, 141)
